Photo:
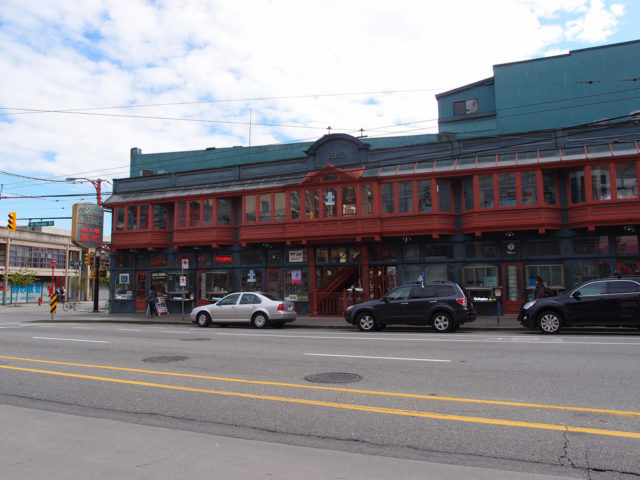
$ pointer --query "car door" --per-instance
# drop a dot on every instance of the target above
(246, 306)
(423, 298)
(625, 298)
(225, 309)
(588, 304)
(394, 306)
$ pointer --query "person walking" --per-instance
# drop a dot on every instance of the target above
(152, 298)
(540, 290)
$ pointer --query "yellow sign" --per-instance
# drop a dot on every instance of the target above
(53, 303)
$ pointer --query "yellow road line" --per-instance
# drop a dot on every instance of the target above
(336, 389)
(343, 406)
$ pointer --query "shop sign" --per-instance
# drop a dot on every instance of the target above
(510, 248)
(222, 258)
(87, 225)
(251, 276)
(185, 263)
(296, 256)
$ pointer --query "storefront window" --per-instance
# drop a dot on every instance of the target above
(119, 219)
(173, 284)
(590, 270)
(411, 252)
(296, 284)
(124, 289)
(160, 260)
(529, 188)
(252, 257)
(626, 180)
(204, 259)
(444, 195)
(349, 201)
(132, 218)
(354, 254)
(601, 182)
(483, 276)
(159, 283)
(543, 248)
(250, 208)
(330, 202)
(440, 273)
(189, 257)
(438, 251)
(381, 253)
(207, 212)
(214, 284)
(160, 217)
(294, 205)
(405, 197)
(552, 276)
(481, 249)
(322, 255)
(144, 217)
(181, 214)
(274, 257)
(507, 188)
(485, 187)
(280, 207)
(224, 211)
(339, 255)
(549, 188)
(411, 273)
(124, 261)
(222, 258)
(142, 261)
(367, 200)
(312, 204)
(251, 280)
(576, 181)
(424, 196)
(627, 245)
(194, 213)
(597, 245)
(265, 207)
(387, 198)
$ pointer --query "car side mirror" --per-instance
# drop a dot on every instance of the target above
(385, 299)
(576, 295)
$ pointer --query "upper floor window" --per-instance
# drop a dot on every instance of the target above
(444, 195)
(367, 200)
(507, 188)
(485, 187)
(601, 182)
(294, 205)
(529, 188)
(549, 188)
(465, 107)
(330, 202)
(388, 200)
(250, 208)
(576, 183)
(424, 196)
(626, 180)
(405, 197)
(349, 207)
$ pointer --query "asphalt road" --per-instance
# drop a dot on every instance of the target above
(505, 404)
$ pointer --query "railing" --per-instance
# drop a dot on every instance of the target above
(335, 303)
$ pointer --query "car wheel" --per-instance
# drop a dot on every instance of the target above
(366, 322)
(260, 320)
(442, 322)
(203, 319)
(549, 322)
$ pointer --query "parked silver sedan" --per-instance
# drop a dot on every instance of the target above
(255, 308)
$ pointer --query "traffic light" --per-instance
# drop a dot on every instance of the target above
(11, 223)
(87, 258)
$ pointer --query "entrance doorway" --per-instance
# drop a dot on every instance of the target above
(513, 287)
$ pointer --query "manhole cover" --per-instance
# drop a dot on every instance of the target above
(333, 377)
(195, 339)
(165, 359)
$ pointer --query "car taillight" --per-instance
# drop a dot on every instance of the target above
(462, 301)
(281, 307)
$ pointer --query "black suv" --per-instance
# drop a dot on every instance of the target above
(609, 302)
(442, 305)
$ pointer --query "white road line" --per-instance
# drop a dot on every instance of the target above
(379, 358)
(84, 328)
(439, 338)
(128, 330)
(69, 339)
(181, 332)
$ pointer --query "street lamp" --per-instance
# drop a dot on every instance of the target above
(96, 183)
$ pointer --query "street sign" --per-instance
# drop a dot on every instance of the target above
(41, 223)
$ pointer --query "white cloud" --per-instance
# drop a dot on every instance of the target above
(71, 54)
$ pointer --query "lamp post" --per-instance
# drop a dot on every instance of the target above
(96, 183)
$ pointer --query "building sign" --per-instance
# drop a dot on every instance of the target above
(222, 258)
(296, 256)
(251, 276)
(329, 198)
(87, 225)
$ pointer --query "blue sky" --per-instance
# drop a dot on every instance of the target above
(85, 81)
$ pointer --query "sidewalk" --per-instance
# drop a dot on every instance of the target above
(84, 313)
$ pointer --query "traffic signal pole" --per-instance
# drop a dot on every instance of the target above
(96, 281)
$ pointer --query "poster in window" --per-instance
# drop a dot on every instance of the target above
(296, 256)
(296, 276)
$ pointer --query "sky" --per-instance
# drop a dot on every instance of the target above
(84, 81)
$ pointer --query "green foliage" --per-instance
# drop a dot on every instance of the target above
(22, 277)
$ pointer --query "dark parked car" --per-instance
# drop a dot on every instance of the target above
(610, 302)
(443, 305)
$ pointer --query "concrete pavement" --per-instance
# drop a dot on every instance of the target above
(84, 313)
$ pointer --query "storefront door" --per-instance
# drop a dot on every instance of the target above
(512, 287)
(141, 291)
